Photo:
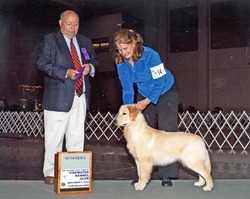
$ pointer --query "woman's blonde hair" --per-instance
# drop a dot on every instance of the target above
(128, 36)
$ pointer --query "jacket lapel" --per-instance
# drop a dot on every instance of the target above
(64, 47)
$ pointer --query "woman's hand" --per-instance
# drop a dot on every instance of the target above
(142, 104)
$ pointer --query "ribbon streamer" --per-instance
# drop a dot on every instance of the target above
(85, 53)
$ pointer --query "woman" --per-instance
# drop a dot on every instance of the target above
(157, 93)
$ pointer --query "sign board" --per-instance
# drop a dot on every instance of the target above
(73, 172)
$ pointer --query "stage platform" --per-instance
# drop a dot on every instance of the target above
(22, 159)
(121, 189)
(113, 169)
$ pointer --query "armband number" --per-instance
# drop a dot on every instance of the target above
(158, 71)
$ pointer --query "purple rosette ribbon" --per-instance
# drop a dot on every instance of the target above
(87, 58)
(80, 71)
(85, 53)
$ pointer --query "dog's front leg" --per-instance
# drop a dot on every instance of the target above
(144, 167)
(137, 167)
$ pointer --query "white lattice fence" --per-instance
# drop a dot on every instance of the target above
(102, 126)
(223, 131)
(29, 123)
(220, 131)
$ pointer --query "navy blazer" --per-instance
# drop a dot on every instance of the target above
(54, 59)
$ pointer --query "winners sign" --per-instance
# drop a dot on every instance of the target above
(73, 172)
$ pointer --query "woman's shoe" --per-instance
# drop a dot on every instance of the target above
(166, 182)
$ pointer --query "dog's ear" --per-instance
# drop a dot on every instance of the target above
(133, 112)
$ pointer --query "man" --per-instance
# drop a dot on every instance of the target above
(64, 108)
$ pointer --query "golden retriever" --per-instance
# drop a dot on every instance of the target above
(151, 147)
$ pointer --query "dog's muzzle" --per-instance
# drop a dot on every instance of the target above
(120, 125)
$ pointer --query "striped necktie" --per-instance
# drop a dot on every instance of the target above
(77, 64)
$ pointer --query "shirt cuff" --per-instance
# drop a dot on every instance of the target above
(92, 71)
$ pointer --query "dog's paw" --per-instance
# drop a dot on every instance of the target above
(200, 182)
(140, 186)
(207, 188)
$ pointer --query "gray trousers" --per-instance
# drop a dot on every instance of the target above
(164, 116)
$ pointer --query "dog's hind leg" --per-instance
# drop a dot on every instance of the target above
(144, 172)
(204, 177)
(200, 163)
(208, 178)
(206, 174)
(200, 182)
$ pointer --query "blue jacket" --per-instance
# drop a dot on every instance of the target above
(147, 73)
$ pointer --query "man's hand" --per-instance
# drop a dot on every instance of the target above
(71, 72)
(87, 69)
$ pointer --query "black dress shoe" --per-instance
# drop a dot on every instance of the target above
(166, 182)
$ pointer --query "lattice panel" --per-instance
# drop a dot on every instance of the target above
(223, 131)
(220, 131)
(29, 123)
(102, 126)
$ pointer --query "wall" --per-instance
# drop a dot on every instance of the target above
(229, 79)
(211, 77)
(104, 26)
(206, 77)
(106, 89)
(23, 24)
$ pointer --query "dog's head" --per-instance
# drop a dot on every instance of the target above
(127, 114)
